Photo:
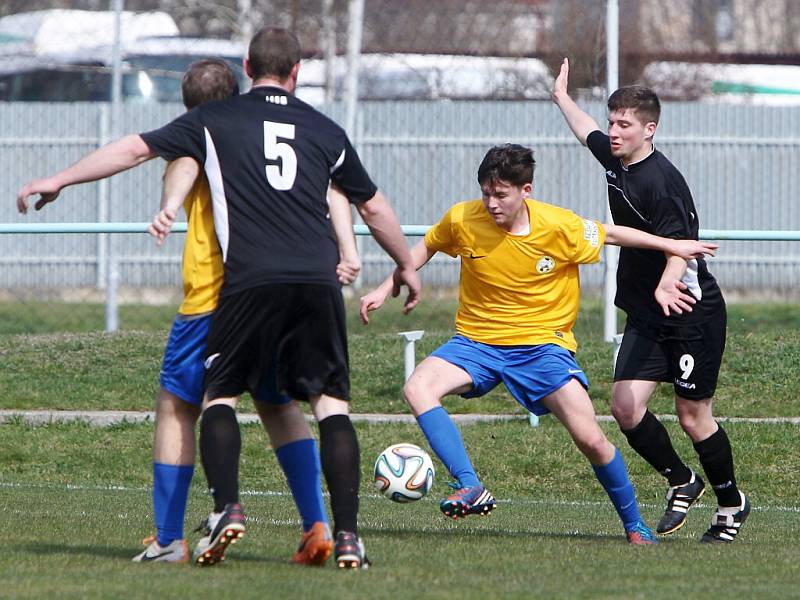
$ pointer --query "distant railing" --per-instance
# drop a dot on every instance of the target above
(112, 264)
(411, 230)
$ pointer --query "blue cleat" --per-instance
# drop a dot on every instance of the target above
(475, 500)
(641, 535)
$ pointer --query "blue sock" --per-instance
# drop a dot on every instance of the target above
(170, 494)
(300, 463)
(446, 442)
(614, 478)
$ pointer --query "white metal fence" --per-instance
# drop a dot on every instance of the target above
(741, 162)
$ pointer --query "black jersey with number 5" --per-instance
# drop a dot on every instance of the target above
(269, 158)
(651, 195)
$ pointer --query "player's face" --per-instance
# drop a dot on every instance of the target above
(631, 140)
(505, 203)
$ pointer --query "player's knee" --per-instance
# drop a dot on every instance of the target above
(623, 415)
(411, 392)
(595, 447)
(417, 395)
(169, 406)
(692, 424)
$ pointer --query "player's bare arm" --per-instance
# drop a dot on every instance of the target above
(420, 254)
(619, 235)
(179, 177)
(579, 121)
(385, 228)
(342, 220)
(112, 158)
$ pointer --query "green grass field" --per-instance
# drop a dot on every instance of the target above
(53, 359)
(76, 500)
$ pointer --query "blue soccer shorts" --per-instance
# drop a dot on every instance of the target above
(529, 372)
(182, 370)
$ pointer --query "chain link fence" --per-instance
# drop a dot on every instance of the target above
(439, 84)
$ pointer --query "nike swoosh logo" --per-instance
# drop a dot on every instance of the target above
(471, 255)
(147, 557)
(209, 360)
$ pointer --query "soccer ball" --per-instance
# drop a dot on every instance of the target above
(404, 473)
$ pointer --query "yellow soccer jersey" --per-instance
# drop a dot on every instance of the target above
(518, 290)
(202, 258)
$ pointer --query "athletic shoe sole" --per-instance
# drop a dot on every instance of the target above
(456, 510)
(215, 553)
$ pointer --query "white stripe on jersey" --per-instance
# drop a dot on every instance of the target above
(692, 281)
(338, 163)
(218, 200)
(624, 197)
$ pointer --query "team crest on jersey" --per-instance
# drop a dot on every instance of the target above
(545, 264)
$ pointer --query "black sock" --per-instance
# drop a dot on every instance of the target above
(716, 457)
(341, 464)
(220, 447)
(651, 440)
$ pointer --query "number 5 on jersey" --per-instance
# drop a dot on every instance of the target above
(280, 176)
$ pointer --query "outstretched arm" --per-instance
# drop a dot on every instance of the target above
(385, 228)
(579, 121)
(112, 158)
(179, 177)
(670, 294)
(342, 220)
(420, 255)
(619, 235)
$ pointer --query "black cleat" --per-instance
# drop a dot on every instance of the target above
(724, 528)
(219, 530)
(349, 551)
(679, 499)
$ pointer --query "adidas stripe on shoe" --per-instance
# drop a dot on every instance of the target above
(679, 499)
(725, 527)
(475, 500)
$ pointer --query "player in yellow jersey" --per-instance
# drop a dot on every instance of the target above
(518, 302)
(179, 399)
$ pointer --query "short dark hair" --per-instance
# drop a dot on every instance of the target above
(511, 163)
(206, 80)
(642, 100)
(273, 52)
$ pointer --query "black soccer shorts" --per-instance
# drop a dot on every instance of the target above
(299, 329)
(688, 356)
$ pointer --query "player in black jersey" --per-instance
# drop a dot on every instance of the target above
(676, 318)
(269, 158)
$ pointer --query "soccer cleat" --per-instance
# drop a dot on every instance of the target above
(219, 531)
(177, 551)
(315, 547)
(679, 499)
(475, 500)
(641, 535)
(349, 551)
(724, 528)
